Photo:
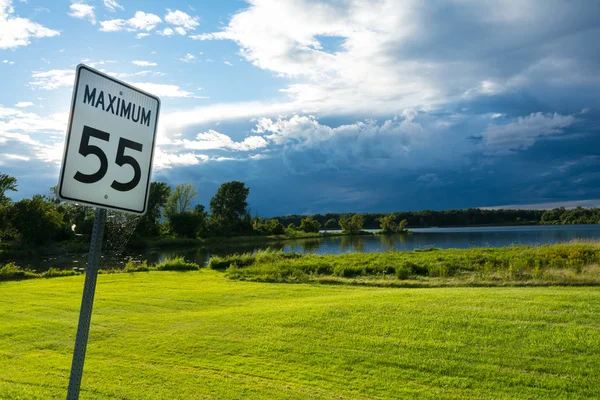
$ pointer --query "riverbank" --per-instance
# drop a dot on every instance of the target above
(573, 263)
(80, 245)
(567, 264)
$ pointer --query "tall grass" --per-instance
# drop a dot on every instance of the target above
(11, 271)
(565, 264)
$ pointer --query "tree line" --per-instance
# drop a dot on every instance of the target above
(171, 213)
(466, 217)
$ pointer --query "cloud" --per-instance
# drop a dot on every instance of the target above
(83, 11)
(24, 104)
(167, 32)
(228, 63)
(164, 160)
(53, 79)
(523, 132)
(182, 19)
(112, 5)
(94, 64)
(141, 21)
(180, 31)
(20, 134)
(309, 145)
(141, 63)
(141, 35)
(213, 140)
(17, 31)
(353, 57)
(163, 90)
(188, 58)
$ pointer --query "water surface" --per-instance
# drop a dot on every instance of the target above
(463, 237)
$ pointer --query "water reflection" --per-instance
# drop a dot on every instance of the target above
(421, 238)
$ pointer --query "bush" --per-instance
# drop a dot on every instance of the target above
(176, 264)
(309, 224)
(37, 220)
(11, 271)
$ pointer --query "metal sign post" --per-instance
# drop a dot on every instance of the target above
(85, 315)
(107, 163)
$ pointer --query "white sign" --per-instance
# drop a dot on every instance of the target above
(110, 143)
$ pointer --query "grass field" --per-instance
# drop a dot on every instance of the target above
(187, 335)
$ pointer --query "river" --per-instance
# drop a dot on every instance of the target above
(462, 237)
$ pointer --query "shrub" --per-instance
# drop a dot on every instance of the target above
(12, 271)
(176, 264)
(53, 273)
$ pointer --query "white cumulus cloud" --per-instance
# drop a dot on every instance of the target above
(213, 140)
(16, 31)
(24, 104)
(53, 79)
(182, 19)
(83, 11)
(163, 90)
(141, 21)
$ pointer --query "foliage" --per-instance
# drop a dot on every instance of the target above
(176, 264)
(158, 197)
(7, 230)
(402, 225)
(309, 224)
(7, 183)
(331, 224)
(37, 220)
(229, 209)
(266, 226)
(11, 271)
(352, 225)
(189, 224)
(565, 264)
(243, 260)
(466, 217)
(389, 225)
(181, 199)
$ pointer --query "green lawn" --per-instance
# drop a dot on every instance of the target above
(186, 335)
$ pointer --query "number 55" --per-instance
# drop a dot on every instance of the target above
(85, 149)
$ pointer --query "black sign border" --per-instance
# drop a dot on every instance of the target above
(65, 153)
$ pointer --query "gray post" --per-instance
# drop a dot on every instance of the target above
(85, 315)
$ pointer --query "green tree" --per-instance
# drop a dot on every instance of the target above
(352, 225)
(331, 224)
(7, 231)
(309, 224)
(158, 197)
(37, 220)
(7, 182)
(181, 199)
(402, 225)
(229, 208)
(388, 223)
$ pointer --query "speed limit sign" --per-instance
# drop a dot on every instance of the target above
(108, 153)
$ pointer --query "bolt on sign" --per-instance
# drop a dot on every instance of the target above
(108, 153)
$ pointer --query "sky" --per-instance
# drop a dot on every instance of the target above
(325, 106)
